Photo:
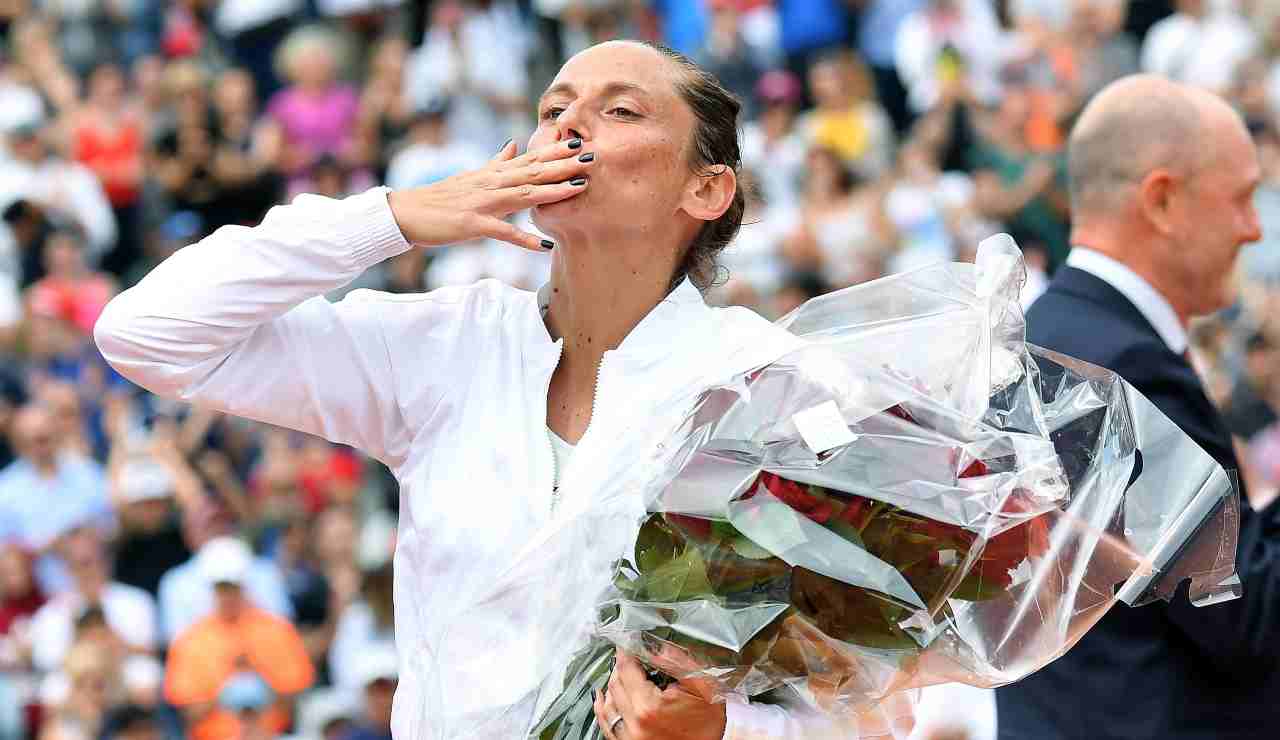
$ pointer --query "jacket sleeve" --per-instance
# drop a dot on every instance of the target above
(238, 322)
(1240, 638)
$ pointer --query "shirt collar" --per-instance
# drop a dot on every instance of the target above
(1153, 306)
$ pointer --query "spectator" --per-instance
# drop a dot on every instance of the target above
(144, 484)
(77, 699)
(846, 119)
(66, 270)
(107, 137)
(379, 672)
(61, 188)
(386, 111)
(949, 43)
(20, 599)
(839, 229)
(253, 30)
(929, 209)
(773, 148)
(808, 28)
(877, 33)
(1200, 44)
(725, 53)
(432, 153)
(45, 495)
(308, 590)
(1023, 189)
(186, 594)
(236, 637)
(316, 114)
(128, 614)
(475, 55)
(365, 626)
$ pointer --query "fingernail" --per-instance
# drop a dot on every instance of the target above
(575, 143)
(589, 156)
(593, 696)
(579, 181)
(548, 244)
(505, 145)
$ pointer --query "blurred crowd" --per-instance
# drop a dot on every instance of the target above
(169, 572)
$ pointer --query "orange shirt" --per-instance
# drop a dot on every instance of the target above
(212, 650)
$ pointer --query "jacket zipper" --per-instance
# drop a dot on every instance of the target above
(546, 431)
(593, 423)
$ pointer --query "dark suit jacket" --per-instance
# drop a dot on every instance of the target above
(1169, 671)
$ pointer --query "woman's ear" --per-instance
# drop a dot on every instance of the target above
(710, 192)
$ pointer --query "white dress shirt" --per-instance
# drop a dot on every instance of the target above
(1153, 306)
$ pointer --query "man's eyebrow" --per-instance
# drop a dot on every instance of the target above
(613, 88)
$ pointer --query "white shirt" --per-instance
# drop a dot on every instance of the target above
(975, 34)
(1199, 51)
(130, 613)
(1153, 306)
(493, 594)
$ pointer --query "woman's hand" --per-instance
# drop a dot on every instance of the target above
(682, 711)
(474, 204)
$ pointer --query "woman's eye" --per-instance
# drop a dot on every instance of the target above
(552, 112)
(624, 112)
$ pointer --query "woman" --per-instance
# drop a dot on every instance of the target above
(317, 114)
(107, 137)
(497, 409)
(839, 228)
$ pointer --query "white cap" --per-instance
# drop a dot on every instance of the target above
(224, 560)
(378, 661)
(144, 479)
(141, 673)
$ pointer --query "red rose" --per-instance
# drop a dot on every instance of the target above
(798, 497)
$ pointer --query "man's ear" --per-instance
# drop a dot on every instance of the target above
(1156, 199)
(710, 192)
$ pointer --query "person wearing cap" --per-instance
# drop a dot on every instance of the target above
(187, 596)
(772, 147)
(34, 174)
(236, 637)
(379, 674)
(145, 484)
(432, 153)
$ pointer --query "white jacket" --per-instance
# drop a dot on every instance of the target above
(449, 390)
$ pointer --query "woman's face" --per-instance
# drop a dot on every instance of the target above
(621, 100)
(15, 574)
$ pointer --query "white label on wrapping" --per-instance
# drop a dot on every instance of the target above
(822, 427)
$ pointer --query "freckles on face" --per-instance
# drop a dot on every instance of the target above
(622, 100)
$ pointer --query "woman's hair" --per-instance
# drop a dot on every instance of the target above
(302, 40)
(715, 146)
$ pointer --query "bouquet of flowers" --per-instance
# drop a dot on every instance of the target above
(915, 497)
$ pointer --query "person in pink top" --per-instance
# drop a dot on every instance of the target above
(316, 115)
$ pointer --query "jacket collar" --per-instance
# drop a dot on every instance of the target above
(1090, 287)
(676, 318)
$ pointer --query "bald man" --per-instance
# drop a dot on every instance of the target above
(1162, 180)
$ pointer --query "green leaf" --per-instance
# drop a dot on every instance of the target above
(749, 549)
(680, 579)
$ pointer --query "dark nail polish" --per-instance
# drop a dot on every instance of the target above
(593, 696)
(548, 244)
(589, 156)
(504, 146)
(578, 181)
(575, 143)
